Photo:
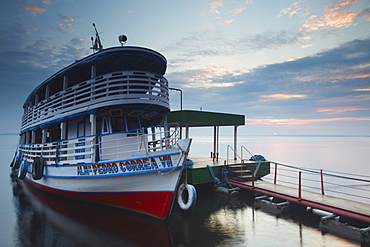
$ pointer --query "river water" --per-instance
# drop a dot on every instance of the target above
(33, 218)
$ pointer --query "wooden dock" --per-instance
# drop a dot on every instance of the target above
(199, 174)
(352, 209)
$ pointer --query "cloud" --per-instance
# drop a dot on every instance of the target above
(333, 81)
(298, 121)
(193, 44)
(283, 96)
(203, 79)
(214, 5)
(362, 89)
(230, 10)
(67, 19)
(270, 40)
(337, 110)
(66, 25)
(337, 16)
(32, 9)
(293, 9)
(14, 35)
(365, 13)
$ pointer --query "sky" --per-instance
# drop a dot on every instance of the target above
(291, 67)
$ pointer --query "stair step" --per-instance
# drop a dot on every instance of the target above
(237, 167)
(243, 172)
(243, 178)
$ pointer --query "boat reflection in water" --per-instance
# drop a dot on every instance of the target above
(44, 219)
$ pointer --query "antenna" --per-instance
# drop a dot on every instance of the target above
(96, 45)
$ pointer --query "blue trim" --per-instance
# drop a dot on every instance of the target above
(117, 174)
(42, 143)
(114, 161)
(144, 157)
(59, 120)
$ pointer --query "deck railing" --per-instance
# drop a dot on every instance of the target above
(140, 141)
(345, 185)
(95, 148)
(123, 87)
(72, 151)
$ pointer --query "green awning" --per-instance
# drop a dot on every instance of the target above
(204, 119)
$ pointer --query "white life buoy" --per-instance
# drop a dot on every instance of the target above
(23, 169)
(189, 202)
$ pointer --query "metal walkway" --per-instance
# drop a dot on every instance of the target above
(339, 206)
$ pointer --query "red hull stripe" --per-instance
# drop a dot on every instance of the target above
(157, 204)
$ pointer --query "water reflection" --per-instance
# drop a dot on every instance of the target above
(47, 220)
(44, 219)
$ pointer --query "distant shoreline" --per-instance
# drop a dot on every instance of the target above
(12, 134)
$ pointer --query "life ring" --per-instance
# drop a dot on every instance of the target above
(188, 202)
(37, 168)
(23, 169)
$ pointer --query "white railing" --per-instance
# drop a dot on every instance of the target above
(141, 141)
(125, 87)
(110, 146)
(73, 151)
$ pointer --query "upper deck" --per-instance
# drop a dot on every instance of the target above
(115, 76)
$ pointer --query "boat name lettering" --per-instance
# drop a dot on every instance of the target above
(124, 166)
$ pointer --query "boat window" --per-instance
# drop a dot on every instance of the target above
(54, 133)
(118, 124)
(105, 126)
(37, 138)
(133, 123)
(81, 129)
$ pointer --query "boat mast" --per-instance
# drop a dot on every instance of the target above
(96, 45)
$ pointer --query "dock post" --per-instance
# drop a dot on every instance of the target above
(322, 183)
(235, 139)
(299, 186)
(252, 176)
(275, 173)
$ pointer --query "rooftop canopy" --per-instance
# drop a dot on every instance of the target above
(192, 118)
(188, 118)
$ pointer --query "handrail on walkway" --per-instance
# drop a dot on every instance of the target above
(346, 184)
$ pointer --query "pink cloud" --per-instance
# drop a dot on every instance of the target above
(362, 89)
(338, 16)
(336, 110)
(297, 121)
(283, 96)
(33, 10)
(214, 5)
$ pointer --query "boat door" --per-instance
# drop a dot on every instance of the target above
(81, 132)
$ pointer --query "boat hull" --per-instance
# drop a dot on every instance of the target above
(153, 202)
(142, 184)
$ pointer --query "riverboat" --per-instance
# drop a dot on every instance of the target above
(97, 130)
